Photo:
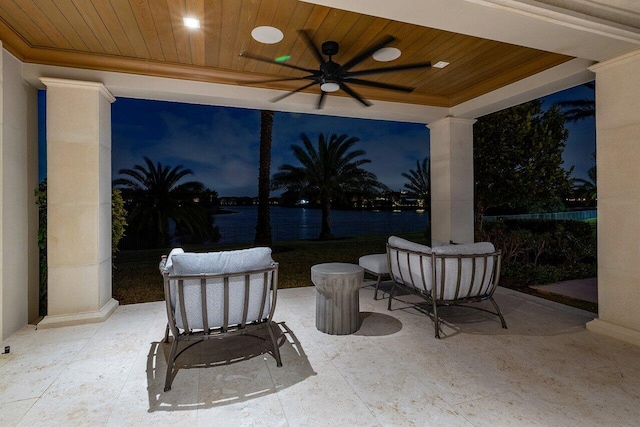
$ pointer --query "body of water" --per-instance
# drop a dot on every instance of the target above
(303, 223)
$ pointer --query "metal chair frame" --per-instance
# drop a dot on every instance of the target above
(378, 277)
(270, 275)
(434, 296)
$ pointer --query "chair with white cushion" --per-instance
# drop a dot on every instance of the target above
(218, 294)
(446, 275)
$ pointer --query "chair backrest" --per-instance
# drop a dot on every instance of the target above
(220, 289)
(465, 271)
(461, 271)
(410, 263)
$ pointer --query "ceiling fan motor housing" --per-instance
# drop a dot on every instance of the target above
(330, 48)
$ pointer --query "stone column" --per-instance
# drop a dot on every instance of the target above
(618, 160)
(78, 202)
(451, 181)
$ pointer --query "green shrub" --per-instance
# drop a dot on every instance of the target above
(546, 242)
(538, 252)
(118, 219)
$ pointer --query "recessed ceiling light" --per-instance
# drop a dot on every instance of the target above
(267, 35)
(191, 22)
(386, 54)
(440, 64)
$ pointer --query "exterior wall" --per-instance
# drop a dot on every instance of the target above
(18, 213)
(451, 181)
(618, 158)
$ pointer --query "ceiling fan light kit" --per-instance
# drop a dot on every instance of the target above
(332, 76)
(330, 87)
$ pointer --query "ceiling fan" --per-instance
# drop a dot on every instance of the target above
(332, 76)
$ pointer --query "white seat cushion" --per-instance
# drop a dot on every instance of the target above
(375, 263)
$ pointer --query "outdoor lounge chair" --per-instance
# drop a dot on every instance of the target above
(446, 275)
(216, 295)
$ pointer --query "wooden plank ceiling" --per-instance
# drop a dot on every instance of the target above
(149, 37)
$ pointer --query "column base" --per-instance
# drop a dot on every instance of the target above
(59, 320)
(621, 333)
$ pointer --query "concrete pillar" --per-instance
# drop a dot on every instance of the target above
(618, 160)
(78, 202)
(451, 181)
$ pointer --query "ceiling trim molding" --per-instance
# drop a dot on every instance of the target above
(565, 17)
(190, 72)
(205, 93)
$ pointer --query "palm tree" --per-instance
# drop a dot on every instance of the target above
(579, 109)
(587, 187)
(419, 184)
(327, 173)
(154, 197)
(263, 226)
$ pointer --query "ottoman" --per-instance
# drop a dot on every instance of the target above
(376, 265)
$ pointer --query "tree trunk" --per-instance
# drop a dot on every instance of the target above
(263, 226)
(325, 231)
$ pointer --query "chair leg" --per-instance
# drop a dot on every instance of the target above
(375, 295)
(498, 312)
(436, 321)
(166, 334)
(274, 343)
(170, 364)
(393, 288)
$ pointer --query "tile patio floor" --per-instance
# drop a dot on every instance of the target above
(546, 369)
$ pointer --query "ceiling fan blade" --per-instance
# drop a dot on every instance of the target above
(380, 85)
(323, 97)
(367, 52)
(281, 97)
(389, 69)
(314, 49)
(351, 92)
(253, 82)
(284, 64)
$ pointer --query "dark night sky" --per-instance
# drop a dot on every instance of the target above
(220, 144)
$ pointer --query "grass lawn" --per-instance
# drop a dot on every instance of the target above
(136, 277)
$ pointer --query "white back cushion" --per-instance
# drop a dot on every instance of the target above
(225, 262)
(475, 273)
(410, 268)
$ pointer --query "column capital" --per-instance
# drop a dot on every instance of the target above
(449, 120)
(55, 82)
(618, 60)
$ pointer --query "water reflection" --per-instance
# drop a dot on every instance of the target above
(303, 223)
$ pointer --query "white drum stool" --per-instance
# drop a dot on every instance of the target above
(376, 265)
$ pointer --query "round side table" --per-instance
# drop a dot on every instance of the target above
(338, 299)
